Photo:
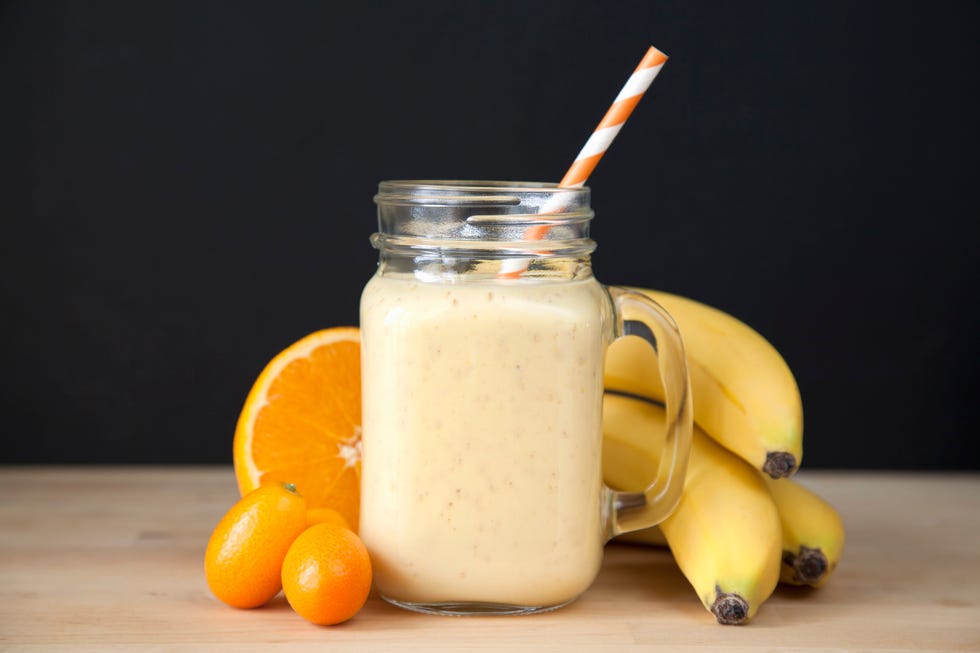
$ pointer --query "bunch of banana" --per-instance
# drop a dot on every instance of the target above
(737, 530)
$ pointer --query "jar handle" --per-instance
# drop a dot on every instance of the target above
(638, 315)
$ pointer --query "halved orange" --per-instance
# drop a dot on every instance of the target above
(301, 423)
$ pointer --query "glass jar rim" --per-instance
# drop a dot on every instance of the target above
(479, 192)
(476, 185)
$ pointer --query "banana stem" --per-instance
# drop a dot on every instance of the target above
(729, 608)
(809, 565)
(779, 464)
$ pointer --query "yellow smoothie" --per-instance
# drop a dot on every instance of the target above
(482, 437)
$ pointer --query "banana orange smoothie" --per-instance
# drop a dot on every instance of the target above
(482, 437)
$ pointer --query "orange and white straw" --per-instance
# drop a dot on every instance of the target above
(615, 117)
(600, 140)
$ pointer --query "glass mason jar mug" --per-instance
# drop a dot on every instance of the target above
(482, 381)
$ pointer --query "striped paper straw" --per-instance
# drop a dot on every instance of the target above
(612, 122)
(600, 140)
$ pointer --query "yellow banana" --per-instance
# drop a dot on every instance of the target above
(813, 533)
(744, 394)
(724, 533)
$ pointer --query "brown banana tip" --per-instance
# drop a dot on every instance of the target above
(809, 565)
(779, 464)
(729, 608)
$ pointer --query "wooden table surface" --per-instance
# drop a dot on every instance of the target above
(110, 559)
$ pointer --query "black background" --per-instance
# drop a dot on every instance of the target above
(186, 189)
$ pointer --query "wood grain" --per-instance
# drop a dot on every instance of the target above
(110, 559)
